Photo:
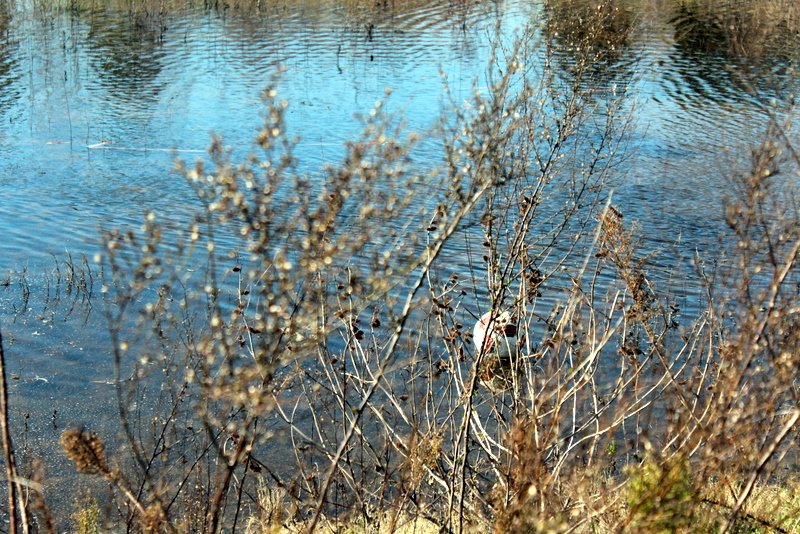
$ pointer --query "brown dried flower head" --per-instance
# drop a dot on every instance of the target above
(86, 450)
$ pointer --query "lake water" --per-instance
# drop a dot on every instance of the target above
(95, 104)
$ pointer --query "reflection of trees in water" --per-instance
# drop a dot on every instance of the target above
(733, 51)
(126, 54)
(412, 15)
(364, 16)
(398, 32)
(7, 60)
(125, 39)
(754, 29)
(591, 38)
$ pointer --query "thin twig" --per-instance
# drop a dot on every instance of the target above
(14, 487)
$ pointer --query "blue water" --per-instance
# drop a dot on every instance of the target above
(76, 82)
